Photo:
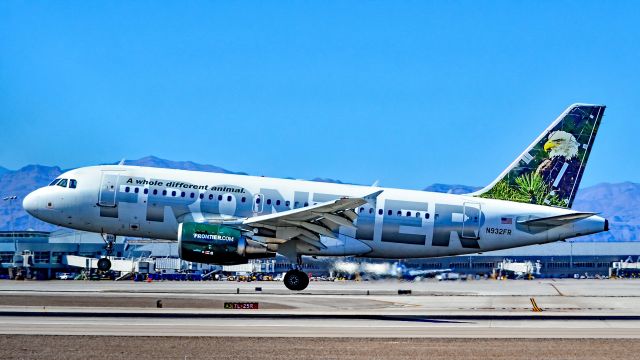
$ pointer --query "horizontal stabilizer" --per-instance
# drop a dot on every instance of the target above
(558, 220)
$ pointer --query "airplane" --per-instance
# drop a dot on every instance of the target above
(386, 270)
(229, 219)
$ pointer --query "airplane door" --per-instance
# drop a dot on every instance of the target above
(258, 203)
(108, 188)
(471, 221)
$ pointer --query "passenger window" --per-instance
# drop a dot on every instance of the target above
(136, 190)
(229, 198)
(257, 200)
(73, 183)
(390, 212)
(268, 201)
(63, 183)
(287, 203)
(219, 197)
(408, 213)
(426, 216)
(277, 202)
(173, 193)
(380, 211)
(210, 196)
(244, 199)
(155, 191)
(371, 211)
(361, 209)
(306, 204)
(193, 195)
(146, 191)
(126, 189)
(54, 182)
(201, 196)
(183, 194)
(399, 213)
(164, 192)
(418, 214)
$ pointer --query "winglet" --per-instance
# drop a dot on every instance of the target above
(373, 196)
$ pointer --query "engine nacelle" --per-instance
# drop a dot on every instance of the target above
(217, 244)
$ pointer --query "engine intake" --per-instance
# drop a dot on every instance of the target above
(217, 244)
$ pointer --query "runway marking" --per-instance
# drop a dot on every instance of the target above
(476, 331)
(535, 305)
(558, 291)
(203, 327)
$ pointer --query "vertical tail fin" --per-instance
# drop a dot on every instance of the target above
(549, 171)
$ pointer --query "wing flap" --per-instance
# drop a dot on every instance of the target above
(338, 220)
(321, 230)
(315, 243)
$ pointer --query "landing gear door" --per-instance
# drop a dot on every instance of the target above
(108, 188)
(471, 221)
(258, 203)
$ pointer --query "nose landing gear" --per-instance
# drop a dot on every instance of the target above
(104, 264)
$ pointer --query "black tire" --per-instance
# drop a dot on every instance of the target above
(296, 280)
(104, 264)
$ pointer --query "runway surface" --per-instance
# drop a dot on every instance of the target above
(471, 309)
(142, 348)
(279, 327)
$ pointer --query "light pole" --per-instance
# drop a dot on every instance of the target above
(10, 199)
(571, 255)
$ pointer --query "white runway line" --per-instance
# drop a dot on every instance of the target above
(319, 328)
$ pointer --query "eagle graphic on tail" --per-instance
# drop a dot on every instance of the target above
(549, 171)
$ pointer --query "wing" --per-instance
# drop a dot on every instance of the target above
(307, 224)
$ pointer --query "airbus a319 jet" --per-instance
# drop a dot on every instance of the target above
(228, 219)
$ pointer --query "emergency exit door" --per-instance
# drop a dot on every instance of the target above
(108, 188)
(471, 220)
(258, 203)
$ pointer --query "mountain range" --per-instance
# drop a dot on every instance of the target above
(617, 202)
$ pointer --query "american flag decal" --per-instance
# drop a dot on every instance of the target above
(506, 221)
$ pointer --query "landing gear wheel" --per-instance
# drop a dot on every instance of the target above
(104, 264)
(296, 280)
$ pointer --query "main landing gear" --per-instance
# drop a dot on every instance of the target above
(296, 279)
(104, 264)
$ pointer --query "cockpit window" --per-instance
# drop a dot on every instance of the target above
(73, 183)
(54, 182)
(62, 183)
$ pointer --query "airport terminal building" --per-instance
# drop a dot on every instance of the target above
(40, 255)
(558, 259)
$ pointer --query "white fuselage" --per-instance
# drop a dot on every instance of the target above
(151, 202)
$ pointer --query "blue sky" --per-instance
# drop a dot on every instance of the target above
(410, 93)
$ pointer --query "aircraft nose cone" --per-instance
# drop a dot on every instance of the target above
(30, 203)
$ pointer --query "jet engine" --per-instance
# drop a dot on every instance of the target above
(217, 244)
